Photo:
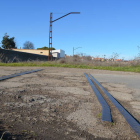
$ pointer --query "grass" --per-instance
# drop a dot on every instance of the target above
(99, 115)
(113, 123)
(65, 65)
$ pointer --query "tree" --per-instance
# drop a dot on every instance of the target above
(8, 43)
(114, 55)
(45, 48)
(28, 45)
(138, 57)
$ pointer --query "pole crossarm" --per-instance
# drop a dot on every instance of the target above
(77, 48)
(50, 30)
(75, 12)
(66, 15)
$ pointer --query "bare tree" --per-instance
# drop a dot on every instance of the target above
(28, 45)
(138, 53)
(114, 55)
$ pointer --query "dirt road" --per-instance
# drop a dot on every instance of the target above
(58, 104)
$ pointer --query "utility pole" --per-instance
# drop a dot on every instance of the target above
(50, 36)
(50, 30)
(75, 49)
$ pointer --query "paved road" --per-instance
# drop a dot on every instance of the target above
(130, 81)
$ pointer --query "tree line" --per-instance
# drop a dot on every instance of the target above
(9, 43)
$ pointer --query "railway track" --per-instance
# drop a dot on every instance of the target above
(106, 114)
(106, 111)
(18, 74)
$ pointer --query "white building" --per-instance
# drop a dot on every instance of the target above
(58, 53)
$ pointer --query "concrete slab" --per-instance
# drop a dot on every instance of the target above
(131, 82)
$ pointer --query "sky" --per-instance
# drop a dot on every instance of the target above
(103, 27)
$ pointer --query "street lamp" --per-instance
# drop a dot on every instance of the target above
(75, 49)
(50, 29)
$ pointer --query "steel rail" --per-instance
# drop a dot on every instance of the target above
(134, 124)
(18, 74)
(106, 114)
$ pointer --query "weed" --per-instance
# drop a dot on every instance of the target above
(113, 66)
(113, 123)
(25, 131)
(99, 115)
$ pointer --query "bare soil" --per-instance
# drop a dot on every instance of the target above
(56, 104)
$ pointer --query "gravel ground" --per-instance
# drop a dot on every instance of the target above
(59, 104)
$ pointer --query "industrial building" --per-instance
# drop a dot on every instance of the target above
(55, 53)
(58, 53)
(40, 52)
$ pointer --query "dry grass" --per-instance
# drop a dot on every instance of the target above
(77, 62)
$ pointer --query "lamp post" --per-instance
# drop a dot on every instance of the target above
(75, 49)
(50, 29)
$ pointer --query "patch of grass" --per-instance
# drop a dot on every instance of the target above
(25, 131)
(66, 65)
(99, 115)
(113, 123)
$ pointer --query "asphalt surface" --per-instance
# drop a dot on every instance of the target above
(130, 81)
(59, 103)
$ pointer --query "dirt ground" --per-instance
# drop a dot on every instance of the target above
(58, 104)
